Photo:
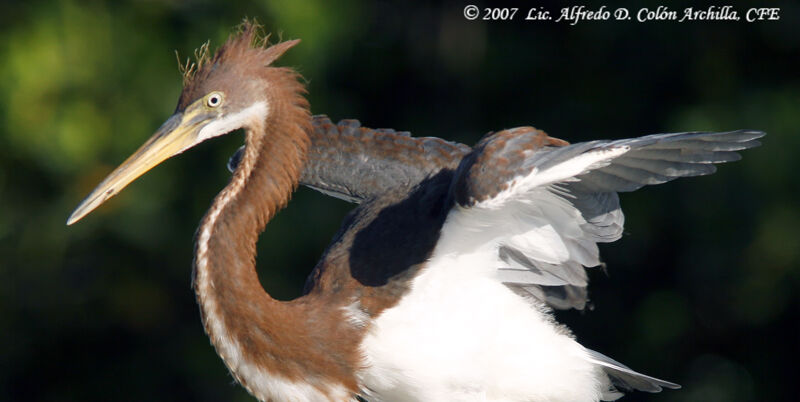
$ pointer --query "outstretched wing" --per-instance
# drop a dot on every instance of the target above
(540, 206)
(355, 163)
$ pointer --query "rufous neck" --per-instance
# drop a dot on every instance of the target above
(257, 336)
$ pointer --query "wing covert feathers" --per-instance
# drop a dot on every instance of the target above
(357, 163)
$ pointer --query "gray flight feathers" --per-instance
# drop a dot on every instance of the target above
(588, 198)
(659, 158)
(625, 379)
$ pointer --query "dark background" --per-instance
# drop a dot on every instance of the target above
(702, 290)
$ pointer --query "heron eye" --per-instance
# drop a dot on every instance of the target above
(214, 100)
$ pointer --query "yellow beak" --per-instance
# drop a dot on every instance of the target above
(177, 134)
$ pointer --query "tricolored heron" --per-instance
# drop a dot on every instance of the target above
(440, 285)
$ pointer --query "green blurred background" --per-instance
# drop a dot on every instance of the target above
(702, 290)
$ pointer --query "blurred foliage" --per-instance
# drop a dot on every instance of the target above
(703, 289)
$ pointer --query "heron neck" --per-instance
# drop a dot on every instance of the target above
(263, 341)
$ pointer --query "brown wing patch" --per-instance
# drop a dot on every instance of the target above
(496, 160)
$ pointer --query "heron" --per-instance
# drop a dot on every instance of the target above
(441, 284)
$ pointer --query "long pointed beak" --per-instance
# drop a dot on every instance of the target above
(177, 134)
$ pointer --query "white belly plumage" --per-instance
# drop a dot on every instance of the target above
(460, 335)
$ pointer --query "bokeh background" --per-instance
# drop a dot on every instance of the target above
(702, 290)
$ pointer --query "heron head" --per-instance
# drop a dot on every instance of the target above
(221, 93)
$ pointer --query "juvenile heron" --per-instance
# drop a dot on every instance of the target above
(438, 286)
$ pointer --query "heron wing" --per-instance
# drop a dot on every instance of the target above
(356, 163)
(540, 206)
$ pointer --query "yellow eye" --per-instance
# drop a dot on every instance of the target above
(214, 100)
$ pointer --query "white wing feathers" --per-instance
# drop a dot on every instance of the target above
(541, 208)
(624, 378)
(556, 169)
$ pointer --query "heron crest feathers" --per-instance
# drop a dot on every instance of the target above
(246, 43)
